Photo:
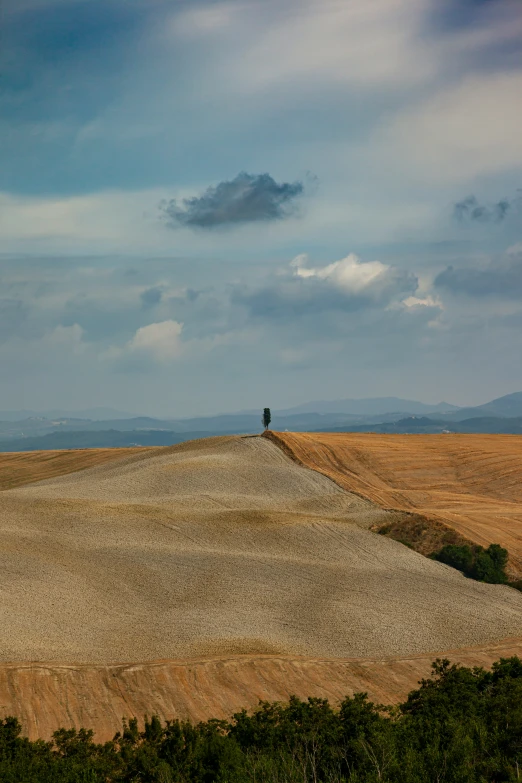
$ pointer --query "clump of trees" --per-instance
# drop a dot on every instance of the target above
(485, 565)
(462, 725)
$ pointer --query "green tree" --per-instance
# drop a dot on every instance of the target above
(267, 418)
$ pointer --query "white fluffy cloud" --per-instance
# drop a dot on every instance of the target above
(349, 274)
(161, 341)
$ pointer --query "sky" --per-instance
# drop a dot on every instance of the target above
(209, 206)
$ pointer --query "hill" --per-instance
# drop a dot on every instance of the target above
(471, 483)
(508, 406)
(222, 546)
(369, 407)
(223, 572)
(98, 439)
(494, 425)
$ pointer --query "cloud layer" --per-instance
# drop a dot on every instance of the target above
(345, 286)
(500, 278)
(400, 107)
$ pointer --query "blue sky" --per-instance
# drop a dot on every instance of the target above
(209, 206)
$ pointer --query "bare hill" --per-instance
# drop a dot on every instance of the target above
(195, 580)
(472, 483)
(222, 546)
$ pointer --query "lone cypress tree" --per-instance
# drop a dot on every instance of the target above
(267, 418)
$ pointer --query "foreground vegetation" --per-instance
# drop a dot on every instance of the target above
(461, 726)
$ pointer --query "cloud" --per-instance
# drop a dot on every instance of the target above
(349, 274)
(151, 296)
(455, 134)
(158, 341)
(501, 278)
(471, 210)
(246, 199)
(305, 42)
(345, 286)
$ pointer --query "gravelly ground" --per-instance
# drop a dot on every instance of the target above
(216, 547)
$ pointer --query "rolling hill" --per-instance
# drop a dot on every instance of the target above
(471, 483)
(215, 572)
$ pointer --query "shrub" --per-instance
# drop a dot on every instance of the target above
(459, 557)
(484, 565)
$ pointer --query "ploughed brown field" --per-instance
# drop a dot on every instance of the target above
(472, 483)
(25, 467)
(193, 580)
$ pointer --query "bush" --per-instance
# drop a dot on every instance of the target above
(459, 557)
(484, 565)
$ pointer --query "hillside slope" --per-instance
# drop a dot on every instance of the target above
(473, 483)
(222, 546)
(46, 697)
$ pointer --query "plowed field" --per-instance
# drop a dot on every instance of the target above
(472, 483)
(26, 467)
(194, 579)
(47, 697)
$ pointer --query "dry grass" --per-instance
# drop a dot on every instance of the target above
(471, 483)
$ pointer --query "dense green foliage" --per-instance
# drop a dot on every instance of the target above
(485, 565)
(461, 726)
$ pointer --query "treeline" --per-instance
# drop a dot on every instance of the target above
(460, 726)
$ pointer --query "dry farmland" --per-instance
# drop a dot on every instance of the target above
(195, 579)
(472, 483)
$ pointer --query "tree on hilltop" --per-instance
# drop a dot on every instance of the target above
(267, 418)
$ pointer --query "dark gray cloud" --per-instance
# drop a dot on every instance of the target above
(246, 199)
(450, 15)
(471, 210)
(151, 296)
(502, 278)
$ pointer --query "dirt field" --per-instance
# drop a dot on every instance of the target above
(47, 697)
(26, 467)
(216, 547)
(195, 579)
(473, 483)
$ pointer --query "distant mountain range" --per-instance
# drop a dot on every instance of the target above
(371, 407)
(109, 427)
(99, 414)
